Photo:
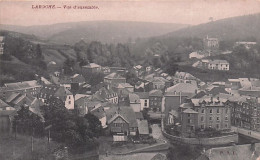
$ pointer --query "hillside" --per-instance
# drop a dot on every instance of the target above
(103, 31)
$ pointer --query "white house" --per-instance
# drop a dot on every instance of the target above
(144, 99)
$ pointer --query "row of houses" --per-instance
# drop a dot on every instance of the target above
(221, 65)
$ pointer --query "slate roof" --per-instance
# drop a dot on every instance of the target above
(189, 110)
(114, 75)
(219, 62)
(139, 115)
(159, 79)
(159, 156)
(134, 98)
(143, 127)
(99, 112)
(216, 90)
(92, 65)
(54, 90)
(22, 85)
(143, 95)
(156, 93)
(3, 105)
(183, 87)
(124, 111)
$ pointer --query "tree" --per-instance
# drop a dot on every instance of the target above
(94, 124)
(76, 132)
(39, 52)
(26, 121)
(68, 66)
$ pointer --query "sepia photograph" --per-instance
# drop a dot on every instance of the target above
(130, 80)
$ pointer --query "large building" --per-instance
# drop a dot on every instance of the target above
(91, 68)
(25, 87)
(210, 43)
(206, 112)
(245, 112)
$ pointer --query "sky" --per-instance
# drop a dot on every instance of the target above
(176, 11)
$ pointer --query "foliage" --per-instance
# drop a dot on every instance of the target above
(94, 124)
(68, 128)
(184, 152)
(24, 50)
(94, 78)
(27, 122)
(68, 66)
(104, 54)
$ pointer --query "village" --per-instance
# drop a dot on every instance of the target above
(155, 110)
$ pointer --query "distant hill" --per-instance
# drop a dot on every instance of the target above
(103, 31)
(235, 28)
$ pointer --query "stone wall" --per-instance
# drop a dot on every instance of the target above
(201, 141)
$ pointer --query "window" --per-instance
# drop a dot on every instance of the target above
(202, 119)
(189, 121)
(217, 110)
(202, 111)
(188, 115)
(217, 118)
(145, 102)
(202, 126)
(210, 111)
(210, 118)
(69, 97)
(226, 110)
(217, 126)
(69, 102)
(226, 125)
(226, 118)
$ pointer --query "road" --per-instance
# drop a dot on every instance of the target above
(246, 132)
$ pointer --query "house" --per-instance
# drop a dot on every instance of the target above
(17, 100)
(155, 100)
(144, 99)
(99, 112)
(160, 83)
(107, 94)
(172, 117)
(30, 87)
(138, 70)
(197, 55)
(91, 68)
(210, 43)
(189, 122)
(65, 81)
(114, 78)
(185, 77)
(134, 102)
(121, 122)
(218, 65)
(121, 86)
(247, 45)
(243, 152)
(72, 82)
(1, 45)
(59, 92)
(212, 113)
(245, 112)
(143, 128)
